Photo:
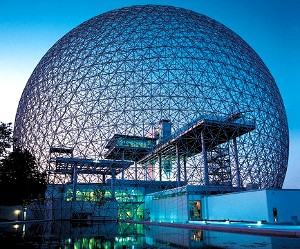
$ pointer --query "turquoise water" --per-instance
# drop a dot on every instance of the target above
(65, 235)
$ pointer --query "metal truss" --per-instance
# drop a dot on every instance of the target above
(125, 70)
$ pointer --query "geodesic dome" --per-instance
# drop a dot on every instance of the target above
(125, 70)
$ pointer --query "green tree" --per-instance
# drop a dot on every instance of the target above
(20, 180)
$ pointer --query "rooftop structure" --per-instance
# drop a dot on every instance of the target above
(131, 148)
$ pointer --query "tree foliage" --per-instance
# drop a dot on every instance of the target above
(20, 179)
(6, 138)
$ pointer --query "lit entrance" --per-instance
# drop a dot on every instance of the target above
(195, 210)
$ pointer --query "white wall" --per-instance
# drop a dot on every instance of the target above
(242, 206)
(168, 209)
(287, 203)
(254, 206)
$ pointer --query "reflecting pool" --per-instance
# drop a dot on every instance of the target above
(65, 235)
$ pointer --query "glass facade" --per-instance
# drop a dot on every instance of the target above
(135, 143)
(130, 200)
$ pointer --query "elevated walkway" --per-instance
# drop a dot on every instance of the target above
(213, 130)
(202, 135)
(89, 166)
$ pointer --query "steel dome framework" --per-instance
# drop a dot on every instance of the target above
(125, 70)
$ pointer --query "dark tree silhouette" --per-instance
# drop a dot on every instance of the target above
(20, 180)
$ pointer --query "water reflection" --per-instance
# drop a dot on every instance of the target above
(72, 235)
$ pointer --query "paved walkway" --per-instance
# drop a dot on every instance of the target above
(292, 231)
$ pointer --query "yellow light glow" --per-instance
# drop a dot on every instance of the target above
(16, 226)
(17, 212)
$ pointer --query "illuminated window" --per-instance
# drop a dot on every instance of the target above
(195, 210)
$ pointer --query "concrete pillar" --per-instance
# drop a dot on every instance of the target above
(236, 163)
(204, 154)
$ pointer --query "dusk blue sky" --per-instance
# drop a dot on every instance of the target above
(271, 27)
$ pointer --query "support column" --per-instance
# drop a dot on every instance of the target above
(178, 167)
(74, 181)
(184, 169)
(205, 166)
(146, 172)
(113, 179)
(160, 167)
(135, 171)
(236, 163)
(123, 169)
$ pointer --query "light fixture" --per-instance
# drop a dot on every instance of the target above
(16, 226)
(17, 212)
